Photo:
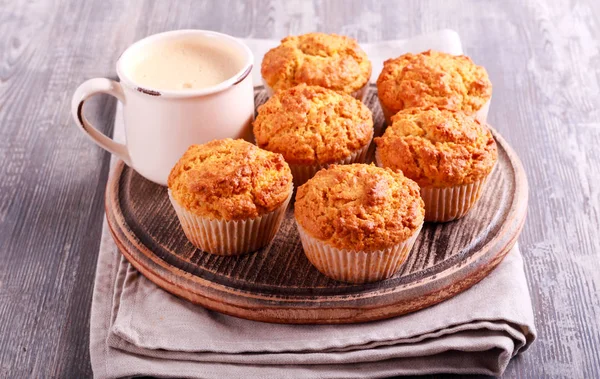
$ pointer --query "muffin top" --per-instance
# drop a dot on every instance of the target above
(311, 124)
(433, 78)
(230, 179)
(327, 60)
(437, 147)
(359, 207)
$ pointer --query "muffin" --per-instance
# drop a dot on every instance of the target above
(313, 127)
(229, 195)
(326, 60)
(448, 153)
(358, 222)
(434, 78)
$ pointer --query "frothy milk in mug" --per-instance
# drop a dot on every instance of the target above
(182, 64)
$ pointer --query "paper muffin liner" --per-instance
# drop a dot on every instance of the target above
(451, 203)
(356, 266)
(358, 94)
(480, 115)
(236, 237)
(302, 173)
(448, 203)
(387, 113)
(267, 87)
(361, 93)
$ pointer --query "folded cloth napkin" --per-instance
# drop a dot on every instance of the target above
(139, 329)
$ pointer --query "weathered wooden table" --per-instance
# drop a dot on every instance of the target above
(543, 58)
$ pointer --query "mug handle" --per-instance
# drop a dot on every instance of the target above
(86, 90)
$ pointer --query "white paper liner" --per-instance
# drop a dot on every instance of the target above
(302, 173)
(224, 237)
(480, 115)
(358, 94)
(451, 203)
(267, 87)
(361, 93)
(356, 266)
(387, 113)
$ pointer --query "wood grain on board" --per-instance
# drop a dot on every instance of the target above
(542, 56)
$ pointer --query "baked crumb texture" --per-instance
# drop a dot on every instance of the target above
(313, 125)
(327, 60)
(359, 207)
(437, 147)
(230, 179)
(433, 78)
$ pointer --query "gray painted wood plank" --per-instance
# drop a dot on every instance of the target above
(543, 58)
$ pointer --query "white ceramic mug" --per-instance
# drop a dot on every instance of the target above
(160, 125)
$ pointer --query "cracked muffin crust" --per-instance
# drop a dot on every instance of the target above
(230, 180)
(313, 125)
(327, 60)
(433, 78)
(437, 147)
(359, 207)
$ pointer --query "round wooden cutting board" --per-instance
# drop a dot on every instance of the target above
(278, 283)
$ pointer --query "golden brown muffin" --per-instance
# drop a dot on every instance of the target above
(433, 78)
(437, 147)
(327, 60)
(230, 179)
(313, 125)
(359, 207)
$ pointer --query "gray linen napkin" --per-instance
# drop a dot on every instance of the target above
(139, 329)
